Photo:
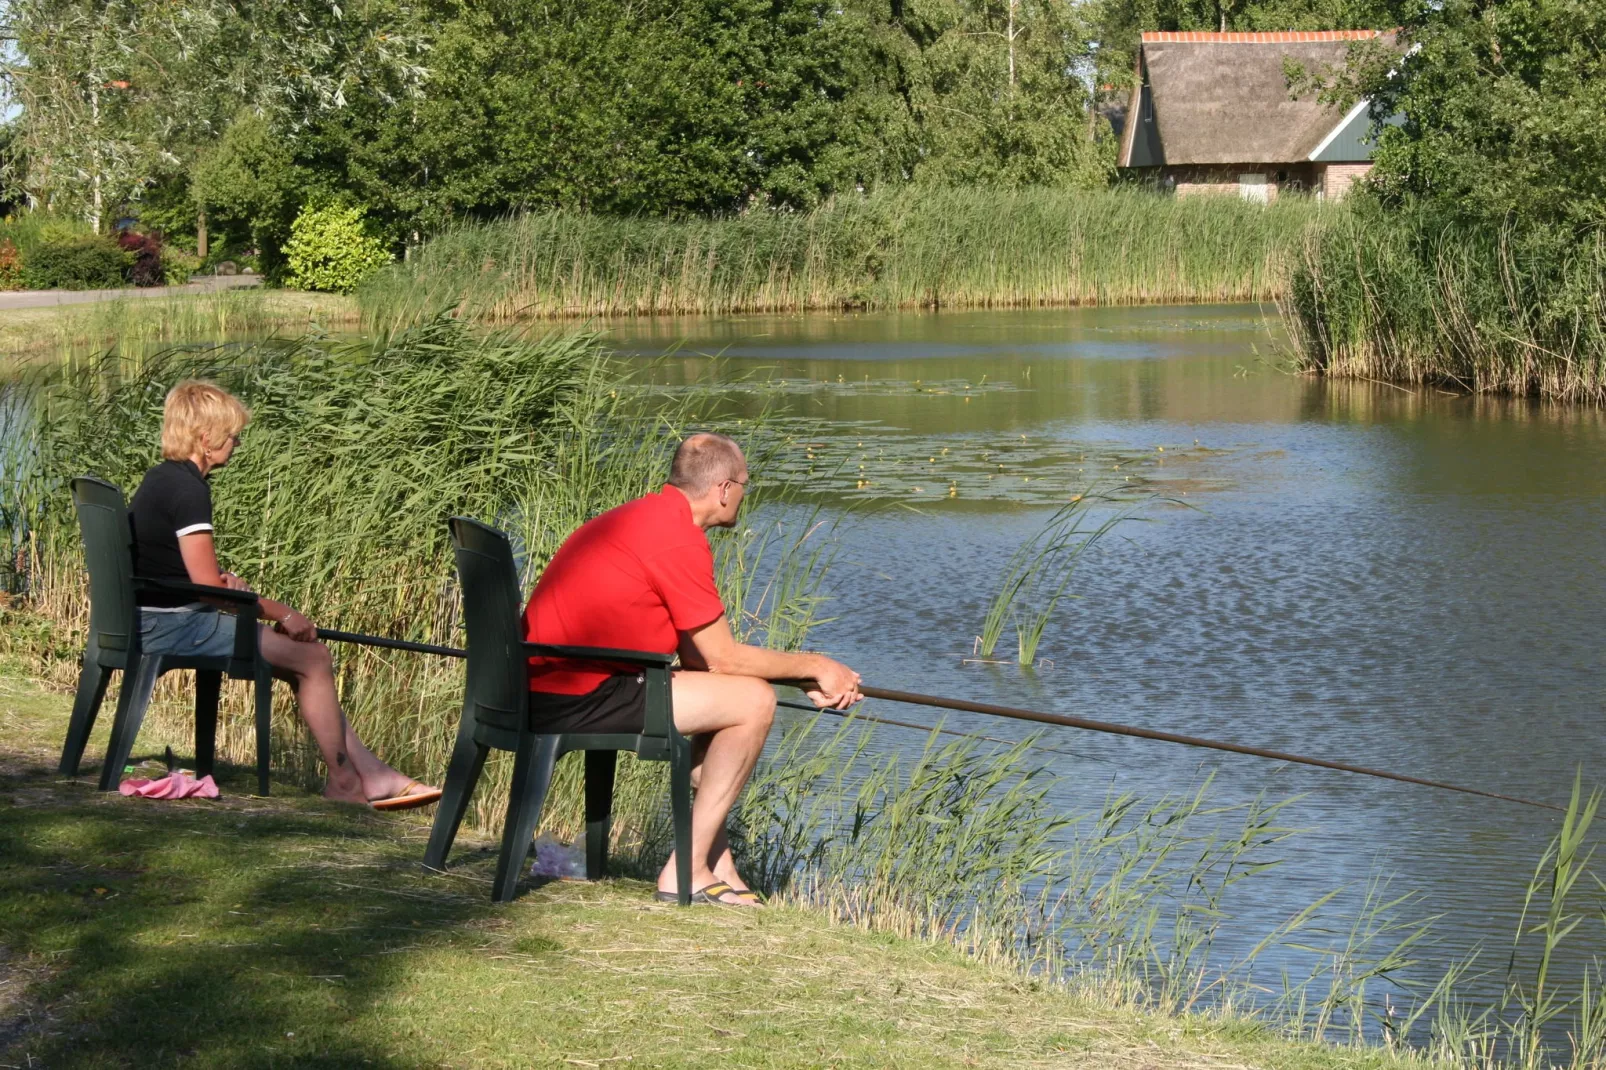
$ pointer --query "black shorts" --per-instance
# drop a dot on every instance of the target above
(618, 705)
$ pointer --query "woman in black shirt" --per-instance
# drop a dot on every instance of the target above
(171, 515)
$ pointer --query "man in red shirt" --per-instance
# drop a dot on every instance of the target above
(641, 577)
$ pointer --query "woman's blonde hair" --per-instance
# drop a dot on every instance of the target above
(199, 414)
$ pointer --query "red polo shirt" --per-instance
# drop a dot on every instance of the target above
(631, 579)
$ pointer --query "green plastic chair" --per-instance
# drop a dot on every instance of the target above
(498, 712)
(114, 647)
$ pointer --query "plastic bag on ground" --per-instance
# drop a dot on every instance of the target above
(559, 860)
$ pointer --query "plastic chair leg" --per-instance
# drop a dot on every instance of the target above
(208, 688)
(92, 681)
(468, 759)
(680, 810)
(139, 680)
(532, 774)
(263, 696)
(600, 765)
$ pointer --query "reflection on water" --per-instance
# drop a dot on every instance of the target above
(1403, 579)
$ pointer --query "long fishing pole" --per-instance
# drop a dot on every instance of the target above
(809, 707)
(455, 652)
(1112, 728)
(1018, 714)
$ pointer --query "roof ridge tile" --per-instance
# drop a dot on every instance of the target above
(1271, 37)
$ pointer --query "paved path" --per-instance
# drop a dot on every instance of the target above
(47, 298)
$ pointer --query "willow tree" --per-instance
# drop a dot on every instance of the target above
(114, 93)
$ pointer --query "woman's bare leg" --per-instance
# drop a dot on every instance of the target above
(355, 774)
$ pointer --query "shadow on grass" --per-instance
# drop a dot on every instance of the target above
(239, 932)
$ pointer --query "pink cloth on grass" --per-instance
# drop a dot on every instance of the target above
(172, 786)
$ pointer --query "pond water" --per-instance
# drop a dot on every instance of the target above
(1400, 579)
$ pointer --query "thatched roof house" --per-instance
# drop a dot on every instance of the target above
(1211, 113)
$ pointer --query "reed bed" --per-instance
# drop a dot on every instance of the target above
(933, 248)
(1401, 298)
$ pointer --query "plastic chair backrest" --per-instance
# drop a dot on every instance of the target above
(498, 683)
(108, 552)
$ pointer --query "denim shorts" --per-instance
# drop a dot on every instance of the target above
(197, 632)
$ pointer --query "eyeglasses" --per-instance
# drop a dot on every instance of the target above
(743, 483)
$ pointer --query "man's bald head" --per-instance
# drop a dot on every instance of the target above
(703, 461)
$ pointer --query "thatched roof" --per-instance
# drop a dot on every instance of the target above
(1222, 98)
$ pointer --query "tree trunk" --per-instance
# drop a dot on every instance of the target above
(94, 114)
(1011, 44)
(200, 234)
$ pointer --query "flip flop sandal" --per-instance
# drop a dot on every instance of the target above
(748, 893)
(408, 799)
(708, 893)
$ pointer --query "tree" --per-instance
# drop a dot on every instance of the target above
(115, 95)
(1504, 108)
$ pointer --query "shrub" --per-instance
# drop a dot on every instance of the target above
(331, 250)
(178, 265)
(10, 265)
(146, 249)
(79, 263)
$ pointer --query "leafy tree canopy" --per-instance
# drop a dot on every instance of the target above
(1505, 113)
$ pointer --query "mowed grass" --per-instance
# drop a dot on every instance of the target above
(291, 932)
(65, 330)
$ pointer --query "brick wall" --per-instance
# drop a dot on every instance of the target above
(1337, 178)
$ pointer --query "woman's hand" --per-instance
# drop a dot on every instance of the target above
(233, 582)
(296, 626)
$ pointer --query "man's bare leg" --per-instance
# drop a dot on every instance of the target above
(355, 774)
(720, 859)
(736, 713)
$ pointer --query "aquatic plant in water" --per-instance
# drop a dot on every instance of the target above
(1040, 570)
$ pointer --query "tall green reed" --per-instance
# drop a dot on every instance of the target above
(1039, 571)
(899, 249)
(1401, 297)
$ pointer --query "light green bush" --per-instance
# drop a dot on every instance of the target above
(331, 250)
(178, 265)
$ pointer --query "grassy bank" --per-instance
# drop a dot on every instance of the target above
(308, 936)
(1399, 298)
(904, 249)
(31, 334)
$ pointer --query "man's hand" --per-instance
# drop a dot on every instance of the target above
(838, 685)
(297, 627)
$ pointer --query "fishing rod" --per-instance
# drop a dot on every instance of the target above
(809, 707)
(1016, 713)
(454, 652)
(1111, 728)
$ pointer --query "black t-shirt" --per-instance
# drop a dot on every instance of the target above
(172, 500)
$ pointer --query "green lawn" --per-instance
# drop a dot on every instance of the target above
(34, 333)
(290, 932)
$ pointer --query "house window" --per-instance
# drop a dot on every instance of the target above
(1253, 188)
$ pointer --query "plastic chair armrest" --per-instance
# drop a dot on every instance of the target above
(599, 653)
(200, 590)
